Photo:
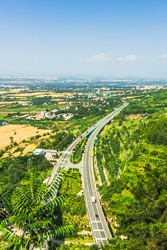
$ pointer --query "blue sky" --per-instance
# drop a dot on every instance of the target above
(83, 38)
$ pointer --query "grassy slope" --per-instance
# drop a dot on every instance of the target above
(135, 150)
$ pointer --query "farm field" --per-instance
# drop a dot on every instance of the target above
(38, 94)
(18, 132)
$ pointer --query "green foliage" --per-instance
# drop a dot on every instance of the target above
(74, 247)
(142, 219)
(108, 148)
(77, 156)
(33, 211)
(137, 200)
(157, 131)
(58, 141)
(64, 247)
(93, 247)
(41, 100)
(74, 204)
(19, 168)
(100, 165)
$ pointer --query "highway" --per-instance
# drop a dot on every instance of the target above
(65, 156)
(99, 226)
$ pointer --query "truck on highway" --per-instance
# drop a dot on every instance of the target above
(93, 199)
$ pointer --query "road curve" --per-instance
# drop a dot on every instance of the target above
(64, 156)
(99, 226)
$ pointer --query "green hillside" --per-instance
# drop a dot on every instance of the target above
(133, 150)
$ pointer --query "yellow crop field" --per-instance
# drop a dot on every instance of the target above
(17, 90)
(19, 102)
(23, 132)
(61, 103)
(41, 94)
(129, 97)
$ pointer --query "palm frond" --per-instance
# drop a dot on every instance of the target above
(52, 189)
(50, 204)
(40, 193)
(20, 202)
(60, 231)
(35, 211)
(63, 230)
(40, 224)
(33, 187)
(3, 180)
(9, 235)
(18, 221)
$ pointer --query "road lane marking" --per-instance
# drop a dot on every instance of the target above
(101, 238)
(98, 230)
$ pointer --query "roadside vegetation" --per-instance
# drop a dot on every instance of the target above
(78, 151)
(134, 151)
(77, 247)
(18, 169)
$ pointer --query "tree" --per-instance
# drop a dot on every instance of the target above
(11, 139)
(33, 211)
(64, 247)
(3, 202)
(93, 247)
(141, 210)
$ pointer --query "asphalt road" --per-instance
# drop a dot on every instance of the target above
(65, 156)
(99, 226)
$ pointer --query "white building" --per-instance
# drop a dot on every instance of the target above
(39, 151)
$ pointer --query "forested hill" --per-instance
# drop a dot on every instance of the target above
(133, 151)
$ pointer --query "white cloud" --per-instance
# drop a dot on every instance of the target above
(128, 58)
(163, 56)
(97, 58)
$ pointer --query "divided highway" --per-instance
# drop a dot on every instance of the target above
(98, 223)
(99, 226)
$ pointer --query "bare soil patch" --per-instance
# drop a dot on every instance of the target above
(30, 147)
(22, 132)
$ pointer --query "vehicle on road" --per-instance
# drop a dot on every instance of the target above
(96, 215)
(81, 136)
(93, 199)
